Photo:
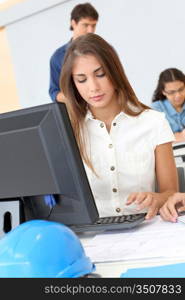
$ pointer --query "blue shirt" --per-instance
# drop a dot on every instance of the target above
(175, 119)
(56, 62)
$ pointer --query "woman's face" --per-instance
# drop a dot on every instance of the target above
(175, 93)
(92, 83)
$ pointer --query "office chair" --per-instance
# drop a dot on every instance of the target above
(179, 155)
(181, 177)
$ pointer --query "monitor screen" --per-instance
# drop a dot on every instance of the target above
(39, 156)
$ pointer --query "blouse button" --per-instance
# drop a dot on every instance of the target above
(114, 190)
(114, 124)
(118, 209)
(112, 168)
(110, 145)
(101, 125)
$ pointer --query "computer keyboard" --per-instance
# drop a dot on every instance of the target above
(111, 223)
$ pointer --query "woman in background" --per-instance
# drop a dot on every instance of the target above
(169, 97)
(125, 146)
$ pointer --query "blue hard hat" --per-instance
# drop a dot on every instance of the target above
(43, 249)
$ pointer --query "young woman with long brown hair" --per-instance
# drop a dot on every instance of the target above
(124, 144)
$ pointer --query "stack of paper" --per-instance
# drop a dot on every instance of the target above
(151, 239)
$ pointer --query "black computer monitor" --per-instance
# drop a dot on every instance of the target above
(39, 156)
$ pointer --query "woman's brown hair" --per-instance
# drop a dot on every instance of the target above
(93, 44)
(168, 75)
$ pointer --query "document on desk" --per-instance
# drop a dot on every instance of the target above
(181, 219)
(151, 239)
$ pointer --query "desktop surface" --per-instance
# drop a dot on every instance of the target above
(152, 243)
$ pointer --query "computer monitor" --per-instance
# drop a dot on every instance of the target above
(39, 156)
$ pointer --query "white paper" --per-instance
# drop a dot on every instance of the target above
(181, 219)
(151, 239)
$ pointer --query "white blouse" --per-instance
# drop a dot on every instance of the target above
(124, 158)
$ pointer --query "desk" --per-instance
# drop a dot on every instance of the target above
(113, 269)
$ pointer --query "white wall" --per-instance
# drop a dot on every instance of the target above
(147, 34)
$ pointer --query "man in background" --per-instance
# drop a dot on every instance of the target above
(84, 18)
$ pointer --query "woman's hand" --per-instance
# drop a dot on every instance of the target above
(147, 200)
(174, 204)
